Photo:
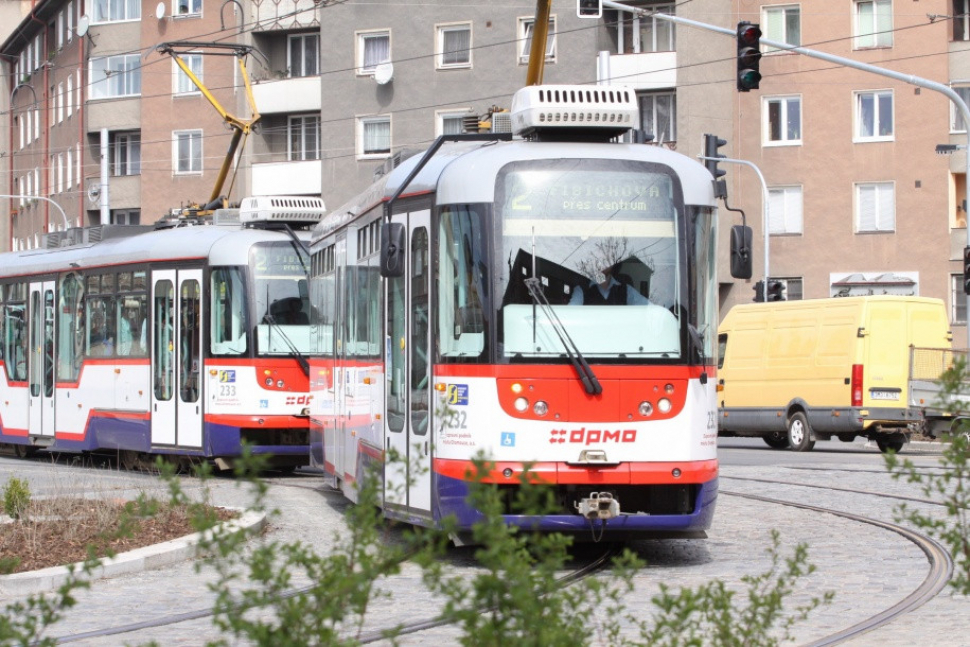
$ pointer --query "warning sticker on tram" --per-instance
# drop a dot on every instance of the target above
(458, 394)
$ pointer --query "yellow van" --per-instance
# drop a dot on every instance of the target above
(794, 372)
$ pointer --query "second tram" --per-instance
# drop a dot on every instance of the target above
(180, 341)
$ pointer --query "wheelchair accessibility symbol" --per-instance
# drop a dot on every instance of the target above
(508, 439)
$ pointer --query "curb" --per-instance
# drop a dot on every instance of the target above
(133, 561)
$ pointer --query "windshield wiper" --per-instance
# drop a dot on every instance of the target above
(294, 351)
(583, 369)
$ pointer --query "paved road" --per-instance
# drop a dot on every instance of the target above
(869, 569)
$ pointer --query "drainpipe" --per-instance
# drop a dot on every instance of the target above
(81, 133)
(47, 108)
(105, 206)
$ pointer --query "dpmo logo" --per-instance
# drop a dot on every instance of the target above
(295, 400)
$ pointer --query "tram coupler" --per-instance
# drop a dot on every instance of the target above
(598, 505)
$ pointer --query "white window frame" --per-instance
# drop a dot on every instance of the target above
(786, 214)
(193, 8)
(876, 95)
(956, 119)
(182, 85)
(879, 228)
(303, 39)
(524, 36)
(98, 14)
(127, 143)
(69, 97)
(101, 85)
(61, 99)
(300, 121)
(441, 115)
(177, 137)
(362, 123)
(441, 30)
(783, 35)
(867, 31)
(69, 16)
(958, 301)
(785, 103)
(361, 38)
(659, 138)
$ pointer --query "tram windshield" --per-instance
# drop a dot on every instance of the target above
(614, 255)
(281, 299)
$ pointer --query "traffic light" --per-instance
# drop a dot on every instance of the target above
(589, 8)
(966, 270)
(711, 144)
(776, 291)
(759, 292)
(749, 56)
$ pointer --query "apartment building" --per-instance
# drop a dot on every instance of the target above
(860, 203)
(103, 127)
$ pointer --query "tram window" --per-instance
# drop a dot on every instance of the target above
(131, 314)
(228, 312)
(190, 340)
(107, 283)
(15, 334)
(420, 366)
(100, 326)
(70, 331)
(3, 319)
(463, 280)
(163, 376)
(94, 284)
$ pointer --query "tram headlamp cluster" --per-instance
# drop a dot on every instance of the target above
(664, 405)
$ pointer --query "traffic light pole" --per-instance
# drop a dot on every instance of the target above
(765, 206)
(958, 101)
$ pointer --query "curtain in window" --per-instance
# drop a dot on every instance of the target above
(377, 50)
(785, 210)
(377, 137)
(455, 46)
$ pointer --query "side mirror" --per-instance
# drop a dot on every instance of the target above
(393, 243)
(741, 260)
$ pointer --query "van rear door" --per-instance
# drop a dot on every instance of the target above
(886, 343)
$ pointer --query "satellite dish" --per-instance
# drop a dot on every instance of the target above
(160, 10)
(94, 192)
(383, 73)
(82, 26)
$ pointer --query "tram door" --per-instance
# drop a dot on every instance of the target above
(177, 358)
(408, 481)
(342, 367)
(41, 359)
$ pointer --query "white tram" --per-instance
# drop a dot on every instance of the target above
(184, 340)
(549, 298)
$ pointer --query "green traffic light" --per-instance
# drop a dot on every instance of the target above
(749, 79)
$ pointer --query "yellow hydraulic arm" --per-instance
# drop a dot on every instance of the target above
(240, 127)
(540, 34)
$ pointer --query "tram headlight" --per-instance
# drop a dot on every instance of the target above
(269, 381)
(279, 384)
(646, 409)
(521, 404)
(664, 405)
(540, 408)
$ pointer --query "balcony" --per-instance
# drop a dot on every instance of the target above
(301, 94)
(652, 71)
(295, 14)
(288, 178)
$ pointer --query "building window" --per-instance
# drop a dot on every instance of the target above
(125, 154)
(873, 23)
(454, 46)
(793, 287)
(875, 207)
(374, 136)
(961, 19)
(183, 84)
(115, 10)
(782, 121)
(782, 24)
(187, 145)
(525, 39)
(658, 115)
(450, 122)
(785, 210)
(126, 216)
(115, 76)
(186, 7)
(956, 118)
(69, 99)
(958, 301)
(304, 138)
(373, 48)
(304, 55)
(646, 34)
(874, 115)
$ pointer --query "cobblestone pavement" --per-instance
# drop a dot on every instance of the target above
(868, 568)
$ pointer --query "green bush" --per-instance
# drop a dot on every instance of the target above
(16, 497)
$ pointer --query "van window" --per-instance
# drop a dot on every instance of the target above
(721, 348)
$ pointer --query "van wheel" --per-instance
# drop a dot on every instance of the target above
(777, 440)
(799, 433)
(886, 446)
